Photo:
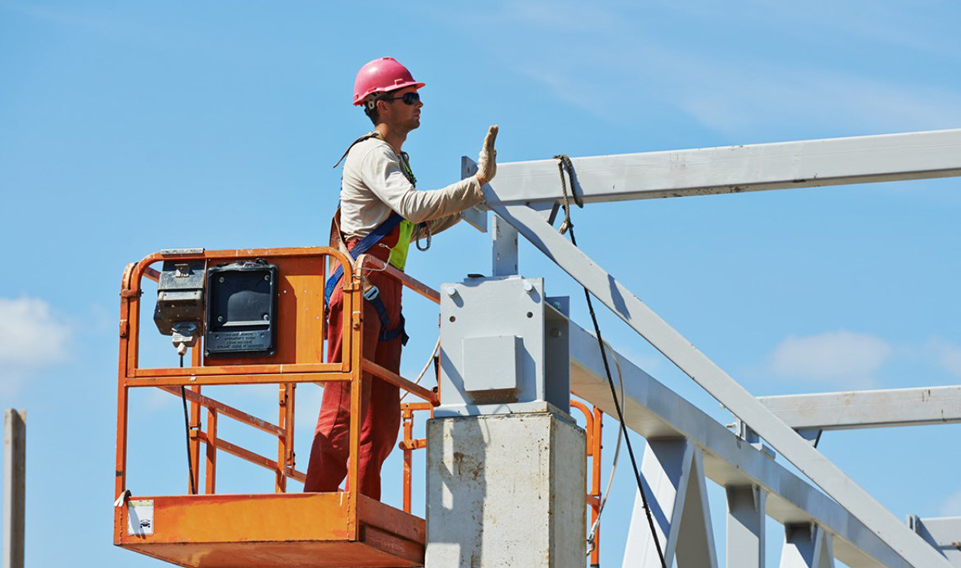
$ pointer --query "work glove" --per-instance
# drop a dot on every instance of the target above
(487, 161)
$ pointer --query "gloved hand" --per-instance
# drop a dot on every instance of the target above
(487, 161)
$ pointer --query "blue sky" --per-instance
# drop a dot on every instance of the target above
(130, 127)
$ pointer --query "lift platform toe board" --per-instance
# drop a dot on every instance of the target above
(309, 530)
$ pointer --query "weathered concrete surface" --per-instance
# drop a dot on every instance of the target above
(505, 490)
(14, 483)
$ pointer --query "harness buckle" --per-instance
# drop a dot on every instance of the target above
(371, 293)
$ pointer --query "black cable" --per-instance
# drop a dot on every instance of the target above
(190, 461)
(568, 225)
(620, 416)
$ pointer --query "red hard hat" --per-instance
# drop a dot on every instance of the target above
(382, 76)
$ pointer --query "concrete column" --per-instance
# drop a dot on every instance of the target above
(506, 490)
(14, 478)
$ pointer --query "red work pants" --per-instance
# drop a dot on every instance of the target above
(380, 400)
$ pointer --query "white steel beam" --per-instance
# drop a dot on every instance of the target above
(721, 386)
(656, 412)
(665, 469)
(806, 546)
(695, 538)
(745, 526)
(868, 409)
(673, 471)
(736, 169)
(944, 533)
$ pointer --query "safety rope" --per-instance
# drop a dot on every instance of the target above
(431, 361)
(592, 533)
(568, 225)
(563, 162)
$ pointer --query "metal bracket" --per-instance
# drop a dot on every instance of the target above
(475, 216)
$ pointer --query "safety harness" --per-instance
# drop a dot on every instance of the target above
(397, 258)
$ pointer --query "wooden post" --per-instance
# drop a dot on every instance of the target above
(14, 477)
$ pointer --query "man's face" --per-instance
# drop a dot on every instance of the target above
(400, 114)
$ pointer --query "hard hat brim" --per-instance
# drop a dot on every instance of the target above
(360, 100)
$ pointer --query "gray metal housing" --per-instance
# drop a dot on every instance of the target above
(504, 348)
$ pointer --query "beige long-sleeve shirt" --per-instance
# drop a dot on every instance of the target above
(374, 185)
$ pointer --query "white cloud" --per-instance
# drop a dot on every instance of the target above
(952, 506)
(845, 357)
(158, 399)
(31, 336)
(947, 356)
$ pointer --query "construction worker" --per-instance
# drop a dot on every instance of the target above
(380, 213)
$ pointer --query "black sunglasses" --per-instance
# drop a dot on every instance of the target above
(408, 98)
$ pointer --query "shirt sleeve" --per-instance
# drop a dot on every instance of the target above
(381, 172)
(442, 224)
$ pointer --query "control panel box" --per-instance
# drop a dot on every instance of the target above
(241, 310)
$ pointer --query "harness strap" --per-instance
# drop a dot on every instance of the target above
(393, 334)
(374, 134)
(373, 294)
(385, 334)
(360, 248)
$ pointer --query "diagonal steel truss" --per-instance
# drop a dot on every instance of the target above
(523, 190)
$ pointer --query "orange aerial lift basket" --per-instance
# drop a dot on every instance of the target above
(281, 529)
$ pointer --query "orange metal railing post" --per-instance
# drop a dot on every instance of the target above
(195, 361)
(408, 415)
(120, 480)
(280, 480)
(353, 307)
(285, 440)
(289, 427)
(596, 483)
(593, 430)
(210, 469)
(409, 444)
(133, 291)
